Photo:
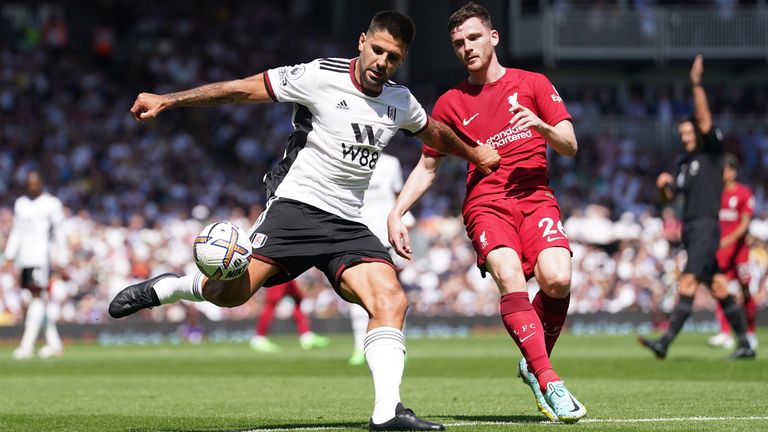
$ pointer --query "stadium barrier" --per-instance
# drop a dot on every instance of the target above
(142, 332)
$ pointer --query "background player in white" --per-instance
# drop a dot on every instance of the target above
(386, 182)
(33, 245)
(345, 112)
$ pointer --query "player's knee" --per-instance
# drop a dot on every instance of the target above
(509, 279)
(556, 283)
(389, 300)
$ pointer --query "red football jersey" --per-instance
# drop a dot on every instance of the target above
(479, 114)
(734, 204)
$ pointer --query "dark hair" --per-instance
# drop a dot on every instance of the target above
(396, 24)
(469, 10)
(731, 161)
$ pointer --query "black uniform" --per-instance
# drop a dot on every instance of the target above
(700, 180)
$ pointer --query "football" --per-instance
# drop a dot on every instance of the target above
(222, 251)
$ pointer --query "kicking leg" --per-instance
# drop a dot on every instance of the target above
(169, 288)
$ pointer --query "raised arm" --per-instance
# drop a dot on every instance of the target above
(441, 138)
(420, 179)
(700, 104)
(247, 90)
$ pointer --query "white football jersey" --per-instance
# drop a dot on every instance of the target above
(30, 243)
(386, 183)
(340, 129)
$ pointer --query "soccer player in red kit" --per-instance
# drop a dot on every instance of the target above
(511, 216)
(737, 205)
(307, 338)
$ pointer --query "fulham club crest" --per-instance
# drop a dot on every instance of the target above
(392, 113)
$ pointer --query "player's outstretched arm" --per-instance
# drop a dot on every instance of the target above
(247, 90)
(441, 138)
(700, 104)
(420, 179)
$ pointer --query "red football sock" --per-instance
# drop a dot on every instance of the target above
(750, 310)
(524, 326)
(725, 327)
(302, 322)
(265, 319)
(552, 312)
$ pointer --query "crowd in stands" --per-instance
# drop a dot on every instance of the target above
(138, 193)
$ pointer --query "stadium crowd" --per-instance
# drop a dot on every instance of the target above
(138, 193)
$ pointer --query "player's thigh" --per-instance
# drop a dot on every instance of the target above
(504, 265)
(553, 271)
(701, 239)
(495, 237)
(375, 287)
(541, 229)
(275, 293)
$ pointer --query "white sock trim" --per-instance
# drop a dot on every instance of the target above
(384, 336)
(172, 289)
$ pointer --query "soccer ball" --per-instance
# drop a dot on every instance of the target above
(222, 251)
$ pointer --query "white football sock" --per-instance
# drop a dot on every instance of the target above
(385, 353)
(359, 318)
(35, 317)
(52, 338)
(187, 287)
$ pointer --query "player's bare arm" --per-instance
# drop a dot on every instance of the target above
(420, 179)
(561, 136)
(441, 138)
(246, 90)
(700, 104)
(664, 183)
(738, 233)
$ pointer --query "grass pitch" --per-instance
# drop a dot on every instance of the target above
(469, 384)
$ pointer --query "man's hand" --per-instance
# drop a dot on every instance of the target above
(665, 179)
(525, 118)
(147, 106)
(697, 70)
(487, 159)
(398, 236)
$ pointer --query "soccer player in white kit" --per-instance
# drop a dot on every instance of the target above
(345, 112)
(32, 247)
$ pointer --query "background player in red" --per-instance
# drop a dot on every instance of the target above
(307, 338)
(512, 216)
(737, 205)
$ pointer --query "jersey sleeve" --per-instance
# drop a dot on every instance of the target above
(550, 106)
(712, 142)
(416, 119)
(439, 113)
(297, 83)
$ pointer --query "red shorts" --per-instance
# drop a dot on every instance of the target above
(527, 224)
(733, 261)
(287, 289)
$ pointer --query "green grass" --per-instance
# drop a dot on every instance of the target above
(469, 384)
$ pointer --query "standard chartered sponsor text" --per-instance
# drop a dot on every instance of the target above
(507, 136)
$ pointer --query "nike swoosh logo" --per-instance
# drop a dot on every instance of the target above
(466, 121)
(551, 239)
(575, 405)
(527, 337)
